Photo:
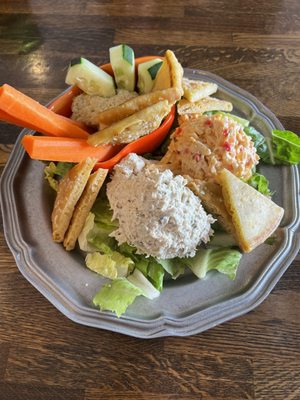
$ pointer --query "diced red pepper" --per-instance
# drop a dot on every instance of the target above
(227, 146)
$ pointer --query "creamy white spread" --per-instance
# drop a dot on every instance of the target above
(157, 213)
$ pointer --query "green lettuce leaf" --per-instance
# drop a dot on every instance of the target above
(286, 147)
(259, 142)
(138, 279)
(283, 148)
(260, 183)
(113, 265)
(224, 260)
(174, 266)
(116, 296)
(54, 171)
(222, 239)
(103, 213)
(95, 236)
(156, 274)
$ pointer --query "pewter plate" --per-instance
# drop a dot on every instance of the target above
(186, 306)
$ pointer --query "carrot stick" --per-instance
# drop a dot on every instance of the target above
(27, 112)
(12, 120)
(145, 144)
(49, 148)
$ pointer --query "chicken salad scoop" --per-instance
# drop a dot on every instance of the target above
(157, 213)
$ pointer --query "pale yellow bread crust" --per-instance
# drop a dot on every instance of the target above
(83, 207)
(132, 127)
(196, 90)
(136, 104)
(255, 217)
(203, 105)
(170, 74)
(69, 191)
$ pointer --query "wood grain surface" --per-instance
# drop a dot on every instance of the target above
(43, 355)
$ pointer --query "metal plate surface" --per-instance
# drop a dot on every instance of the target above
(186, 306)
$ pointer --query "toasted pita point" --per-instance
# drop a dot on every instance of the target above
(211, 196)
(136, 104)
(196, 90)
(170, 73)
(207, 104)
(131, 128)
(83, 207)
(254, 216)
(69, 191)
(163, 77)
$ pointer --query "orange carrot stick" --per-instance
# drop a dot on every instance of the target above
(49, 148)
(12, 120)
(24, 111)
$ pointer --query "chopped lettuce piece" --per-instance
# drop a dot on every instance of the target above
(113, 265)
(156, 274)
(103, 264)
(103, 213)
(142, 264)
(224, 260)
(286, 146)
(259, 142)
(283, 148)
(54, 171)
(87, 229)
(152, 270)
(124, 265)
(116, 296)
(260, 183)
(138, 279)
(173, 266)
(95, 236)
(222, 239)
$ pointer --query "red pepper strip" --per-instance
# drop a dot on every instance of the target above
(145, 144)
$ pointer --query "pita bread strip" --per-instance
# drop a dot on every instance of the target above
(83, 207)
(69, 191)
(206, 104)
(131, 128)
(136, 104)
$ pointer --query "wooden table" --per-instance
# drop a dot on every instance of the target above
(43, 355)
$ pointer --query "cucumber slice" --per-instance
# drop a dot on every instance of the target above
(147, 73)
(90, 78)
(122, 62)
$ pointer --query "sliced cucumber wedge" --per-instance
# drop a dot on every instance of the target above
(122, 62)
(90, 78)
(147, 73)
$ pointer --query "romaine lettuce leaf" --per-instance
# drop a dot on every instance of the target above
(222, 239)
(103, 264)
(103, 213)
(174, 266)
(224, 260)
(113, 265)
(260, 183)
(116, 296)
(283, 148)
(259, 142)
(95, 236)
(54, 171)
(138, 279)
(156, 274)
(286, 146)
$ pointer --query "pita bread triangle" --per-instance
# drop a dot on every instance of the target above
(255, 217)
